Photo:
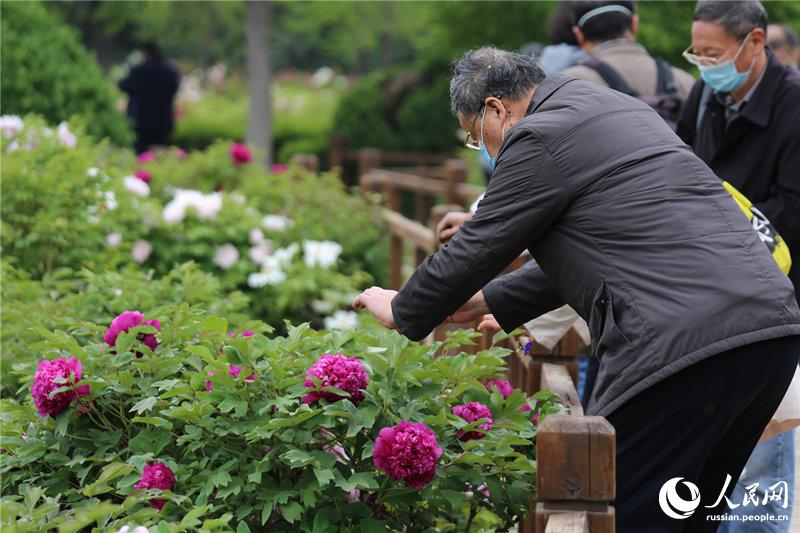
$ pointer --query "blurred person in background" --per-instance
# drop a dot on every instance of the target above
(784, 43)
(151, 86)
(563, 50)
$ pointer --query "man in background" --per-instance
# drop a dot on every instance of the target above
(784, 43)
(151, 86)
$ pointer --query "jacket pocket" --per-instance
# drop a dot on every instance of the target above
(606, 337)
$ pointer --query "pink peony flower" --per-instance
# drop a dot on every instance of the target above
(146, 157)
(336, 451)
(278, 168)
(143, 175)
(157, 476)
(240, 154)
(180, 153)
(346, 373)
(128, 320)
(408, 452)
(502, 386)
(231, 334)
(471, 412)
(233, 370)
(44, 384)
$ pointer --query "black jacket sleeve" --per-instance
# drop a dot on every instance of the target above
(782, 207)
(520, 296)
(687, 123)
(526, 194)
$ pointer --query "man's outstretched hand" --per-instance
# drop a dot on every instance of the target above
(378, 302)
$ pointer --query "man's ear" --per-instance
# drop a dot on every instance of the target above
(758, 37)
(634, 24)
(579, 36)
(495, 105)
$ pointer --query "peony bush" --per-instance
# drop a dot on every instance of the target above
(217, 427)
(296, 243)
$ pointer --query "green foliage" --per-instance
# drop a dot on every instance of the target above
(399, 110)
(57, 215)
(251, 455)
(47, 71)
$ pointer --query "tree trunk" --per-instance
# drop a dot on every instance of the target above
(259, 79)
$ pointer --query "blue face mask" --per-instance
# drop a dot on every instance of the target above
(724, 78)
(491, 161)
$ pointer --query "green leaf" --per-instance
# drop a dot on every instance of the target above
(242, 527)
(114, 470)
(291, 512)
(474, 458)
(238, 405)
(153, 421)
(192, 517)
(220, 478)
(149, 441)
(371, 525)
(144, 405)
(364, 480)
(297, 458)
(266, 511)
(324, 476)
(292, 420)
(214, 323)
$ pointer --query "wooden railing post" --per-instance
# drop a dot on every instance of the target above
(575, 457)
(368, 159)
(337, 152)
(455, 172)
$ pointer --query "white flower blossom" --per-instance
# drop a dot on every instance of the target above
(136, 186)
(137, 529)
(276, 223)
(141, 251)
(322, 307)
(209, 205)
(117, 292)
(225, 256)
(93, 172)
(110, 200)
(13, 146)
(271, 274)
(174, 212)
(238, 198)
(256, 236)
(113, 240)
(285, 255)
(342, 320)
(66, 137)
(11, 125)
(93, 219)
(321, 253)
(260, 252)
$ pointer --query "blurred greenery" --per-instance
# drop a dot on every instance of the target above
(39, 62)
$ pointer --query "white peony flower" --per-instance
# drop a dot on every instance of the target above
(342, 320)
(322, 307)
(209, 205)
(272, 268)
(13, 146)
(276, 223)
(117, 292)
(113, 240)
(137, 529)
(173, 212)
(238, 198)
(93, 172)
(259, 253)
(285, 255)
(256, 236)
(110, 200)
(11, 125)
(136, 186)
(66, 137)
(225, 256)
(256, 280)
(141, 251)
(93, 219)
(321, 253)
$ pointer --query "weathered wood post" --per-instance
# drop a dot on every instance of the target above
(337, 152)
(455, 172)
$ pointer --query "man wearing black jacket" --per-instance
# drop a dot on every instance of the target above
(743, 120)
(637, 234)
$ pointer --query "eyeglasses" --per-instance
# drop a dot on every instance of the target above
(473, 144)
(703, 61)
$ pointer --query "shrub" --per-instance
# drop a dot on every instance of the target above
(248, 452)
(47, 71)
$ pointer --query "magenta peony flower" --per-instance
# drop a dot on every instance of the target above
(240, 154)
(146, 157)
(408, 452)
(232, 334)
(125, 322)
(233, 370)
(143, 175)
(346, 373)
(503, 387)
(157, 476)
(471, 412)
(278, 168)
(44, 384)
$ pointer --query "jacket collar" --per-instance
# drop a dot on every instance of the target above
(548, 86)
(759, 107)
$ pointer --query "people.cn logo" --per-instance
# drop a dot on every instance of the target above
(673, 505)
